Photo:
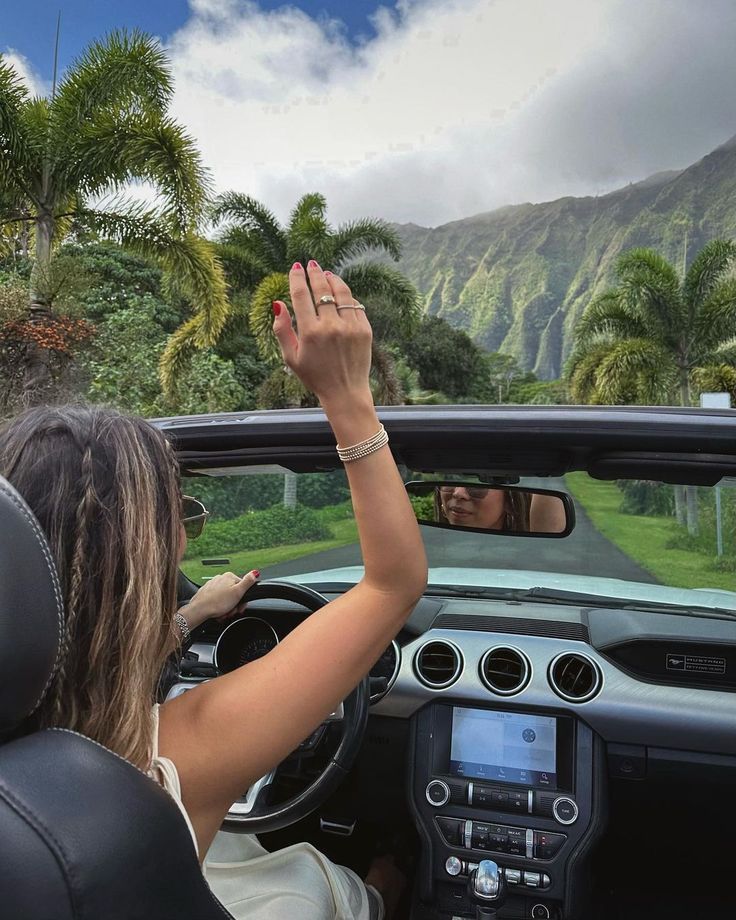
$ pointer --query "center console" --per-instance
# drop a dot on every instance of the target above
(521, 789)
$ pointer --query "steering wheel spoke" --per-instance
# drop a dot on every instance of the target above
(248, 805)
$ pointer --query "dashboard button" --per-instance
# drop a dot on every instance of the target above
(453, 866)
(546, 881)
(565, 810)
(531, 879)
(437, 793)
(513, 876)
(451, 829)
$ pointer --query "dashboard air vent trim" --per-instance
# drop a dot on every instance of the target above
(575, 677)
(521, 626)
(444, 674)
(505, 670)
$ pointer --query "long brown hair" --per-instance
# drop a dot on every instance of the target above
(105, 489)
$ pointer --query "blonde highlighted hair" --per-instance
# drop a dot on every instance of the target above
(105, 489)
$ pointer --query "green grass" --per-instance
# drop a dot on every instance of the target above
(343, 533)
(644, 539)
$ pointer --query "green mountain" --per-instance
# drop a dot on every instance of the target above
(517, 279)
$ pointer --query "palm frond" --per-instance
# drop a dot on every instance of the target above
(581, 369)
(715, 321)
(115, 149)
(177, 356)
(308, 234)
(361, 236)
(715, 378)
(124, 72)
(608, 315)
(188, 260)
(390, 289)
(16, 151)
(638, 366)
(247, 214)
(650, 287)
(272, 287)
(707, 271)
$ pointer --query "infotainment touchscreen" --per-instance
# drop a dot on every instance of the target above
(505, 747)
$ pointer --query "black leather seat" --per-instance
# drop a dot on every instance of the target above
(84, 835)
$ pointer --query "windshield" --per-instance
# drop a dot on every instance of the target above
(640, 540)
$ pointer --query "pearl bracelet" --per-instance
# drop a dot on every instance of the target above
(369, 446)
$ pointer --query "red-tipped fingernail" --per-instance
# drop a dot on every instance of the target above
(328, 274)
(297, 267)
(276, 308)
(256, 573)
(313, 264)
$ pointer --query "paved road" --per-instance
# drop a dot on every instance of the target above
(584, 552)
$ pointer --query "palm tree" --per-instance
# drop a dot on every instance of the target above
(64, 160)
(258, 252)
(656, 335)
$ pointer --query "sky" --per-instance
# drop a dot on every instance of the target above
(422, 111)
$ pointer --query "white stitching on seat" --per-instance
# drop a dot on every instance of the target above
(25, 511)
(70, 731)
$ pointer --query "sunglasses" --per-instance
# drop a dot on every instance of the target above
(193, 516)
(475, 493)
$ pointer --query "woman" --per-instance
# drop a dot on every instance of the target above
(483, 508)
(105, 488)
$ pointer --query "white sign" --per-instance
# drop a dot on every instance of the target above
(715, 400)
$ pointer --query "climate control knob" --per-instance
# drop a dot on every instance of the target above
(565, 810)
(437, 793)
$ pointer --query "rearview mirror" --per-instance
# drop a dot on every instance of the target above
(508, 510)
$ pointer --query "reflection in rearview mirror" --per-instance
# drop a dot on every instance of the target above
(508, 510)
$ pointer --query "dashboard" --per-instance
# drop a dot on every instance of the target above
(518, 714)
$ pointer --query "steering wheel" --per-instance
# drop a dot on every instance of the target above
(251, 814)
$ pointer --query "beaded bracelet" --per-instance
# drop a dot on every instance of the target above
(181, 622)
(369, 446)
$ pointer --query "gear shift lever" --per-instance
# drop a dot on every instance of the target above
(487, 889)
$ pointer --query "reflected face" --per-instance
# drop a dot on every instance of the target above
(471, 507)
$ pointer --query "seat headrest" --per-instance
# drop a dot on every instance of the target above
(31, 611)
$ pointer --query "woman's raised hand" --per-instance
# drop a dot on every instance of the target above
(330, 350)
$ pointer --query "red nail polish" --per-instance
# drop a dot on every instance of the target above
(276, 308)
(328, 274)
(256, 573)
(313, 264)
(297, 267)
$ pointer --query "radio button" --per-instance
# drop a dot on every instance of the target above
(437, 793)
(565, 810)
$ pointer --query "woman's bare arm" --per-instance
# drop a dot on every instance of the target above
(228, 732)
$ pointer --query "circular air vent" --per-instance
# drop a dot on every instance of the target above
(575, 677)
(438, 664)
(505, 670)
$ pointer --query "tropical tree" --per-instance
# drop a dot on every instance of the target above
(258, 253)
(65, 160)
(657, 336)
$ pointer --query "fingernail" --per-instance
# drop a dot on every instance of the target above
(313, 264)
(297, 267)
(276, 308)
(328, 274)
(256, 573)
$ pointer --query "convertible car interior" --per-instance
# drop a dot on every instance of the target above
(551, 735)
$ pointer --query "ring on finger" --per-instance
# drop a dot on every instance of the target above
(350, 306)
(326, 298)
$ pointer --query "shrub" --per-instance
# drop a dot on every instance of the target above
(274, 526)
(644, 497)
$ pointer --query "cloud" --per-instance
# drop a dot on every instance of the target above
(455, 106)
(23, 67)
